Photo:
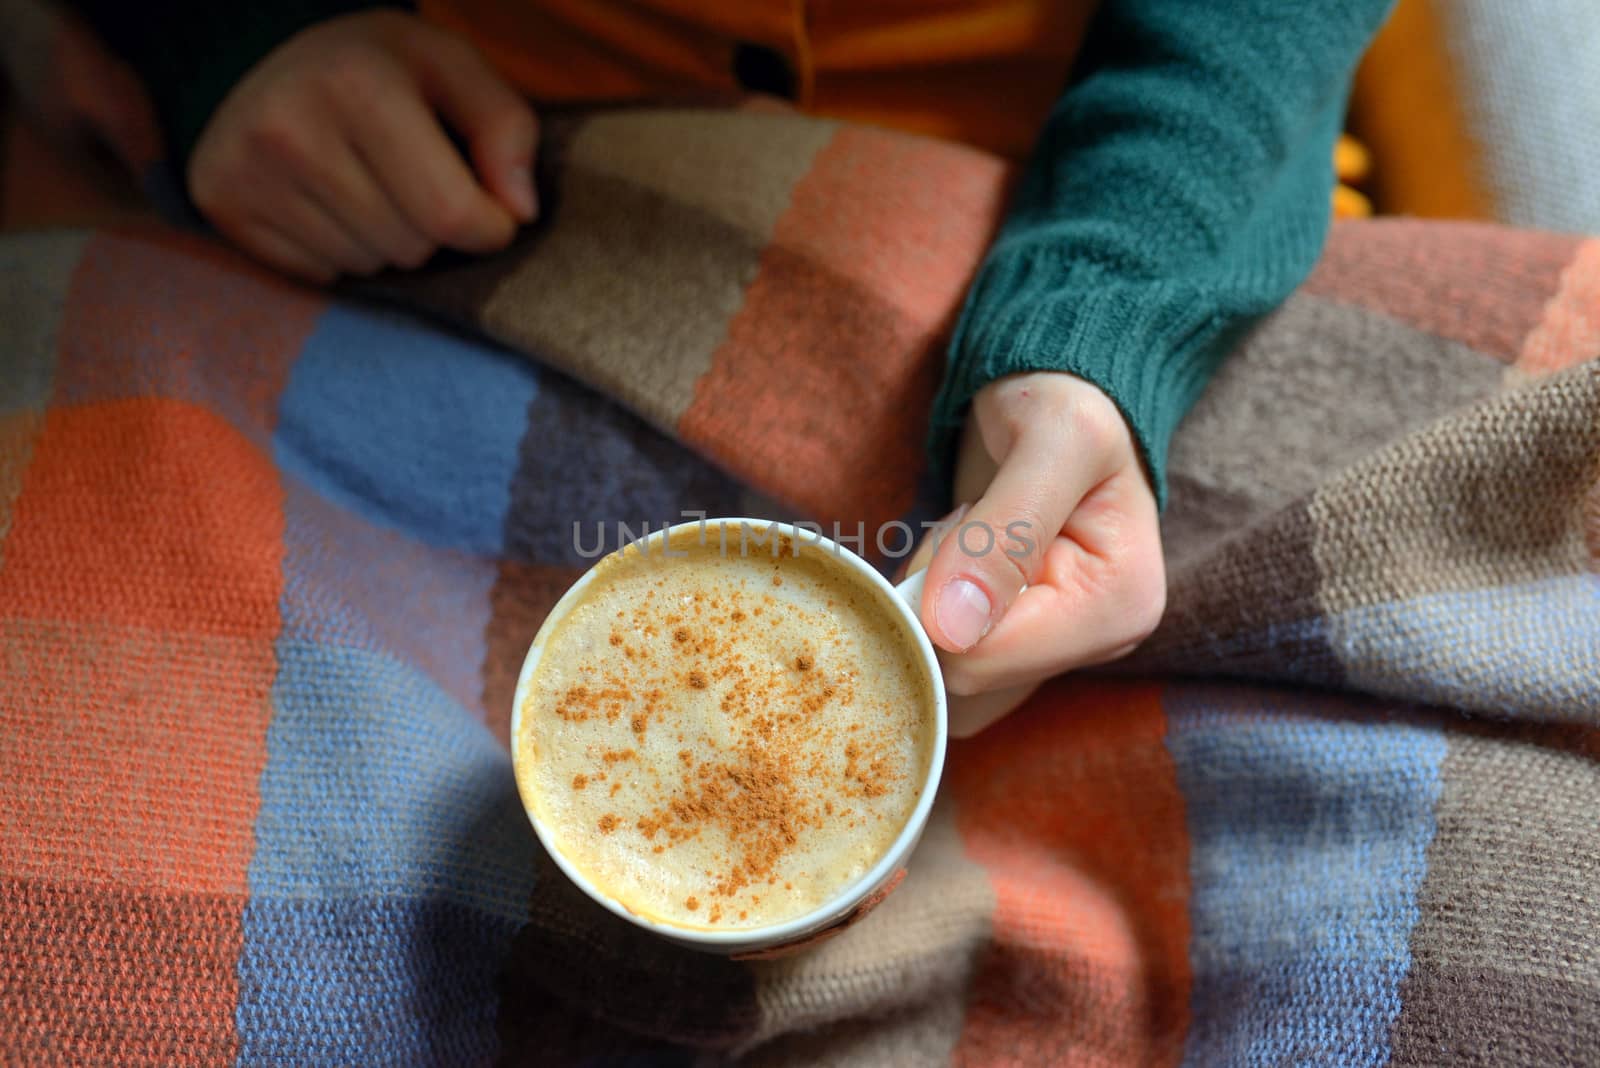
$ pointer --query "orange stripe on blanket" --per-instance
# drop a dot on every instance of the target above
(1569, 332)
(140, 598)
(147, 513)
(1072, 806)
(812, 395)
(18, 432)
(140, 602)
(99, 976)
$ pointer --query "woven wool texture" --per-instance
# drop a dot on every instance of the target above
(269, 561)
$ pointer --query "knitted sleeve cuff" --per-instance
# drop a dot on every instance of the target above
(1150, 345)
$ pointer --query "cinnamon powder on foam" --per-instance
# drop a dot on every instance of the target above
(802, 749)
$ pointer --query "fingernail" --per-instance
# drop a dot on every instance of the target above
(524, 201)
(962, 612)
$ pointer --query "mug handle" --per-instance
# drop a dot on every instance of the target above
(910, 591)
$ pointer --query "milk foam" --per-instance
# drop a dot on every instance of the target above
(726, 741)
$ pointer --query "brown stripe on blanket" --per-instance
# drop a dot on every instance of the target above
(1479, 1015)
(100, 975)
(653, 226)
(1506, 952)
(659, 228)
(1318, 385)
(917, 1034)
(627, 291)
(1487, 498)
(739, 166)
(455, 287)
(1481, 285)
(893, 989)
(1591, 525)
(1246, 609)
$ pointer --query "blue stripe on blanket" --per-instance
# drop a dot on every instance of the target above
(412, 982)
(408, 426)
(1525, 650)
(388, 818)
(1309, 823)
(356, 585)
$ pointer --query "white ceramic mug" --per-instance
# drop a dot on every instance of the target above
(854, 900)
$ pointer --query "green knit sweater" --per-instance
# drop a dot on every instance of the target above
(1180, 187)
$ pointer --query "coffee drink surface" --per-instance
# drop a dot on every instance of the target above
(726, 740)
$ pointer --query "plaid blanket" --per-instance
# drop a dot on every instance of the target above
(269, 561)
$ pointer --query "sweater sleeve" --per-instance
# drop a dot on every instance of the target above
(191, 53)
(1180, 188)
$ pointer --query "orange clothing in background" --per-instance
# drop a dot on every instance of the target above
(985, 72)
(1408, 105)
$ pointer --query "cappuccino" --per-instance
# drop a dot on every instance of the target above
(726, 737)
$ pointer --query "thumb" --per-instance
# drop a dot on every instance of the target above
(998, 548)
(499, 126)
